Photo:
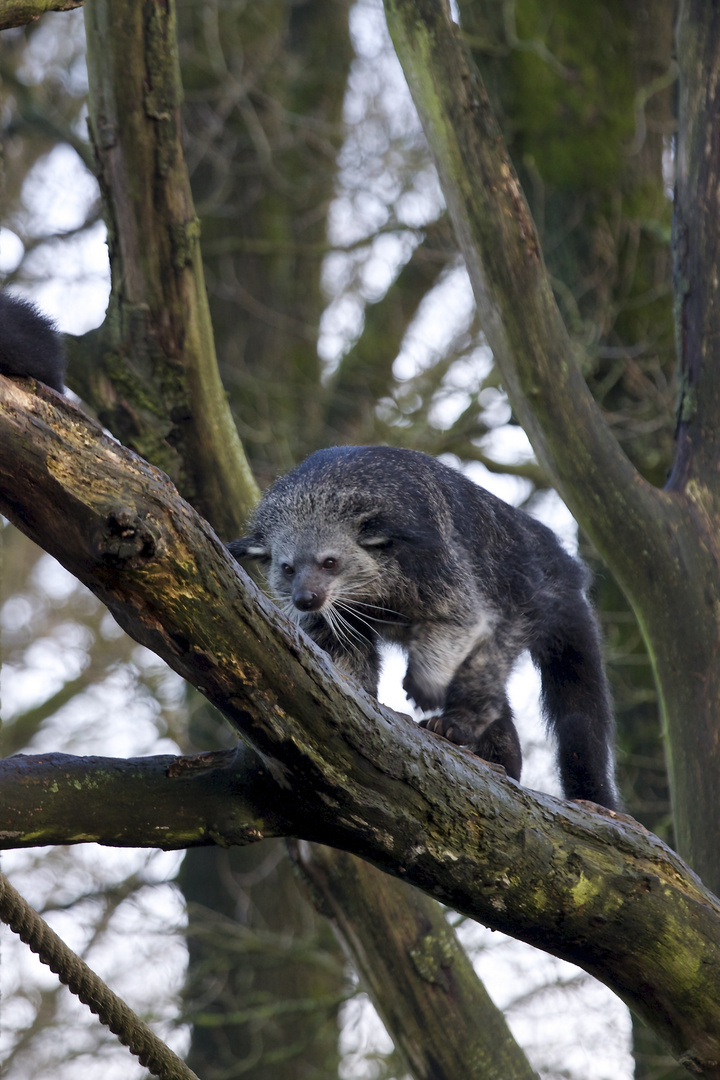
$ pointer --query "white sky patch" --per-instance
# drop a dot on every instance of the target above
(54, 580)
(57, 51)
(11, 250)
(72, 274)
(57, 192)
(443, 313)
(374, 191)
(459, 385)
(362, 1035)
(85, 276)
(568, 1023)
(669, 166)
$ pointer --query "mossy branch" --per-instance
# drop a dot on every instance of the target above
(513, 291)
(591, 887)
(22, 12)
(165, 802)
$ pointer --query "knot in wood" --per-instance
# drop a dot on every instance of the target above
(126, 537)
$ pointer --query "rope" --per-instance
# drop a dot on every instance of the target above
(89, 987)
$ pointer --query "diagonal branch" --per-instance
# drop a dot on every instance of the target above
(512, 288)
(592, 888)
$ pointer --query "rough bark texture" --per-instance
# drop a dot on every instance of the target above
(662, 545)
(165, 801)
(690, 684)
(591, 887)
(158, 383)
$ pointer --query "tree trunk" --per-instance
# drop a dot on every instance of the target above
(688, 656)
(157, 385)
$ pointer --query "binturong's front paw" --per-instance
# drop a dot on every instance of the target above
(424, 696)
(496, 742)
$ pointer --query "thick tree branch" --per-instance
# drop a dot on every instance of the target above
(575, 882)
(21, 12)
(408, 956)
(226, 797)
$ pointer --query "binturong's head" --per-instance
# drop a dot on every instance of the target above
(313, 566)
(335, 538)
(318, 545)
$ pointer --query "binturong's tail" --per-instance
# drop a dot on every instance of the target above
(577, 705)
(29, 343)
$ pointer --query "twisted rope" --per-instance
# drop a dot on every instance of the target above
(92, 991)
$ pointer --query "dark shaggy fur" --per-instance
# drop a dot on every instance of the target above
(29, 343)
(370, 544)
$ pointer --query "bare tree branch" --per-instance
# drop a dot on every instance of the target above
(162, 802)
(21, 12)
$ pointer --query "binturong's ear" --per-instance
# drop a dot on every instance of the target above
(248, 547)
(377, 532)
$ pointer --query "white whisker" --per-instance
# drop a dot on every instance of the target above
(356, 605)
(339, 604)
(341, 629)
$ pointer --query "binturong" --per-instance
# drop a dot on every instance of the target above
(29, 343)
(369, 544)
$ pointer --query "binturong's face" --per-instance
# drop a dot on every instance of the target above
(316, 570)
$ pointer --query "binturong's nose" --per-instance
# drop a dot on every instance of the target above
(307, 600)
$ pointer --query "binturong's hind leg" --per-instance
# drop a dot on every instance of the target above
(477, 713)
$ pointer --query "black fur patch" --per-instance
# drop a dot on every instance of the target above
(29, 343)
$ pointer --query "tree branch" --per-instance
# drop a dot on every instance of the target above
(513, 291)
(21, 12)
(158, 386)
(226, 797)
(573, 881)
(394, 932)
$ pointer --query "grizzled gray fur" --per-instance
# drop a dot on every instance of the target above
(365, 544)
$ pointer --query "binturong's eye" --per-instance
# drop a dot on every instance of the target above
(330, 563)
(287, 569)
